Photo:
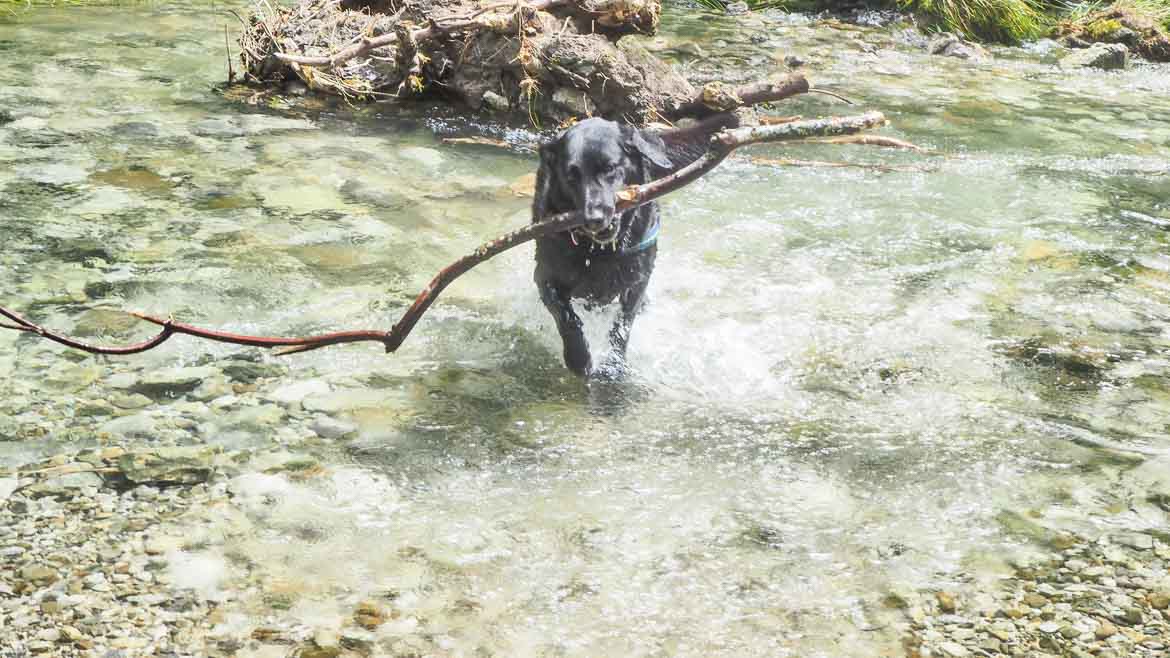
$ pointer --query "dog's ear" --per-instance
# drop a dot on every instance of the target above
(648, 146)
(542, 194)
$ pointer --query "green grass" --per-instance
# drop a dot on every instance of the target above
(754, 5)
(1070, 10)
(16, 4)
(1005, 21)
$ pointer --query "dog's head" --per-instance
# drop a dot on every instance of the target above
(588, 164)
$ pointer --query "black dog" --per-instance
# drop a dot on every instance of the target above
(611, 256)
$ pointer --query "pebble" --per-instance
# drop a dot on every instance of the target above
(1113, 616)
(946, 601)
(331, 428)
(1035, 600)
(954, 649)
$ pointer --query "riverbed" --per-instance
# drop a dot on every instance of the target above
(851, 388)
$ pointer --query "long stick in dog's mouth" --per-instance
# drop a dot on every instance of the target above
(721, 145)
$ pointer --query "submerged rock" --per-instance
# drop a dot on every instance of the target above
(188, 465)
(1108, 56)
(7, 487)
(174, 381)
(950, 45)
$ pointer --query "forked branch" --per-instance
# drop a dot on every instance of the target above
(720, 146)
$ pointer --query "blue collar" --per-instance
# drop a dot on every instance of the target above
(649, 239)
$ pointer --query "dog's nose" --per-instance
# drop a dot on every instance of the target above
(596, 220)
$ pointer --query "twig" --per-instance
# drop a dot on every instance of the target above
(788, 162)
(771, 121)
(228, 52)
(719, 147)
(871, 140)
(826, 92)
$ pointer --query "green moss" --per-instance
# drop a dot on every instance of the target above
(1102, 30)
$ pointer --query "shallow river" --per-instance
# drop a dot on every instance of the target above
(848, 382)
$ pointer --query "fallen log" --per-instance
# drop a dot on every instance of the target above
(719, 146)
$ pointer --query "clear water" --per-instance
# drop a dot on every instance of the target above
(844, 384)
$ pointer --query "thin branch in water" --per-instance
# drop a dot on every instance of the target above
(871, 140)
(789, 162)
(814, 90)
(772, 121)
(228, 52)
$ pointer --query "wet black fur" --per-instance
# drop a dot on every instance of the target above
(584, 168)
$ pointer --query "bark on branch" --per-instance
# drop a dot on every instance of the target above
(719, 147)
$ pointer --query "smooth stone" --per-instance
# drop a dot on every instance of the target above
(68, 484)
(1035, 600)
(122, 380)
(1133, 616)
(256, 418)
(49, 635)
(950, 45)
(217, 127)
(331, 428)
(954, 649)
(495, 102)
(211, 389)
(139, 426)
(130, 402)
(1049, 627)
(1107, 56)
(38, 574)
(296, 392)
(1105, 630)
(946, 601)
(184, 465)
(1135, 540)
(175, 380)
(7, 487)
(1002, 630)
(425, 156)
(93, 408)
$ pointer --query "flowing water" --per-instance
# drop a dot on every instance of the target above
(848, 382)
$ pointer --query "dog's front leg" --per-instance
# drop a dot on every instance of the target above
(557, 301)
(619, 335)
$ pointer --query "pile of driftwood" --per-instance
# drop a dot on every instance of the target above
(546, 61)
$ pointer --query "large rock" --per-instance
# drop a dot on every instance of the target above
(174, 381)
(186, 465)
(73, 479)
(950, 45)
(1106, 56)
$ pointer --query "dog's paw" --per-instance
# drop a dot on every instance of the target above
(614, 369)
